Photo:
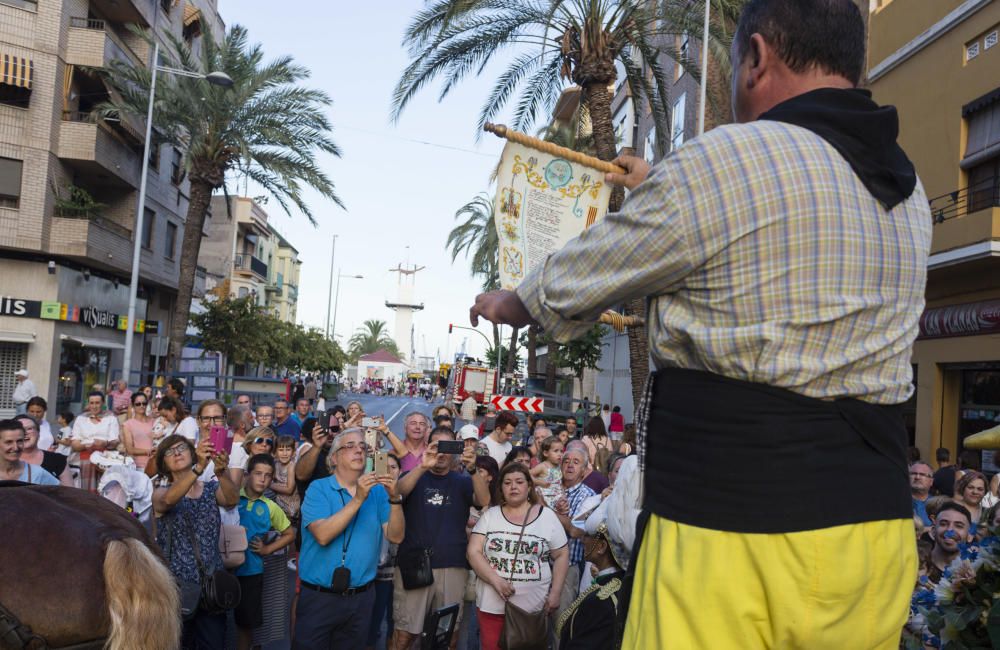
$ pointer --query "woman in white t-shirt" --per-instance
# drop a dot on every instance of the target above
(173, 419)
(508, 570)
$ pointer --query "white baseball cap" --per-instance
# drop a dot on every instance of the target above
(469, 432)
(21, 373)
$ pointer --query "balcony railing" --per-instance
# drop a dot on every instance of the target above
(94, 216)
(250, 263)
(978, 196)
(123, 126)
(87, 23)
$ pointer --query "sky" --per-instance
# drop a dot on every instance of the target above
(401, 195)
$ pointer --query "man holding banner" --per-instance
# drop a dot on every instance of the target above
(784, 262)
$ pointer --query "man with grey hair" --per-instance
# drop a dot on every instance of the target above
(416, 427)
(344, 519)
(240, 420)
(574, 468)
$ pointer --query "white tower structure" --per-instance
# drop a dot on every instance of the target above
(404, 306)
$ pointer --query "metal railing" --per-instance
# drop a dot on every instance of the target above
(110, 122)
(118, 48)
(978, 196)
(94, 216)
(250, 263)
(87, 23)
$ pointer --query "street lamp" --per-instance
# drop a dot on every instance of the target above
(216, 78)
(336, 298)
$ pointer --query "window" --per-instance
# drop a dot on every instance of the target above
(10, 183)
(170, 244)
(972, 51)
(165, 5)
(683, 51)
(30, 5)
(990, 40)
(177, 172)
(14, 96)
(243, 292)
(649, 147)
(148, 222)
(677, 123)
(154, 156)
(624, 121)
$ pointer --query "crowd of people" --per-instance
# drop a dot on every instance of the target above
(470, 534)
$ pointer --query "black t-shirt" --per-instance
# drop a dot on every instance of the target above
(53, 463)
(435, 513)
(944, 481)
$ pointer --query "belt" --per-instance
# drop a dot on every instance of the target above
(326, 590)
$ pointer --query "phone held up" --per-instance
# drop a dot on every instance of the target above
(381, 463)
(369, 423)
(453, 447)
(330, 422)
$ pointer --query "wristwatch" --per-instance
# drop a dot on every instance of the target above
(397, 501)
(472, 470)
(197, 472)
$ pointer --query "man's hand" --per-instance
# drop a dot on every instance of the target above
(469, 458)
(636, 170)
(365, 484)
(320, 437)
(430, 457)
(502, 308)
(389, 484)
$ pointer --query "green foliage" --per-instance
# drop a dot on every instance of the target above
(247, 333)
(477, 238)
(267, 126)
(75, 201)
(581, 353)
(370, 337)
(491, 357)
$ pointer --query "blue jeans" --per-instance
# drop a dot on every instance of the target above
(382, 611)
(204, 632)
(325, 621)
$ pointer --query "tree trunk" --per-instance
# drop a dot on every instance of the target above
(532, 351)
(511, 352)
(550, 367)
(599, 104)
(198, 202)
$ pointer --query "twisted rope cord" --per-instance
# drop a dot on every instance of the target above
(619, 321)
(553, 149)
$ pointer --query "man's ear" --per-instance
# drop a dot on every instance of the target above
(758, 57)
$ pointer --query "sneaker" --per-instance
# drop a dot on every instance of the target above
(292, 566)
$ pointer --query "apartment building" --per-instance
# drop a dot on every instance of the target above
(243, 255)
(938, 62)
(69, 192)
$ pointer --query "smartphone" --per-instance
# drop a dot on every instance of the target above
(454, 447)
(330, 421)
(371, 439)
(381, 463)
(221, 438)
(369, 423)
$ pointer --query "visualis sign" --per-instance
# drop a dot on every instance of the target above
(93, 317)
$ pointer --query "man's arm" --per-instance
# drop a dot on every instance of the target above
(409, 480)
(306, 463)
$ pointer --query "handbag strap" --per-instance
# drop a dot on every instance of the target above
(517, 547)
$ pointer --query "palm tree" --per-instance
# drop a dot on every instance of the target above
(266, 127)
(558, 40)
(372, 336)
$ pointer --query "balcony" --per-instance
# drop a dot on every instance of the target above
(293, 292)
(248, 264)
(89, 236)
(91, 42)
(142, 12)
(966, 224)
(100, 149)
(274, 289)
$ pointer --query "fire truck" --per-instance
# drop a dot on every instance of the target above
(471, 377)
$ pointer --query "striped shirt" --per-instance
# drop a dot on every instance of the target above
(576, 495)
(764, 259)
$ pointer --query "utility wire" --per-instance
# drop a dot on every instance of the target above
(415, 141)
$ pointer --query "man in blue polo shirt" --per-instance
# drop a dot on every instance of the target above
(344, 517)
(284, 424)
(258, 515)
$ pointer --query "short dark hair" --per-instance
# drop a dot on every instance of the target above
(284, 441)
(441, 431)
(12, 424)
(258, 459)
(503, 419)
(68, 416)
(942, 455)
(177, 385)
(172, 404)
(161, 453)
(517, 450)
(441, 418)
(38, 400)
(95, 393)
(957, 507)
(826, 34)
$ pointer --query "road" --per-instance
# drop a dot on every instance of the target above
(393, 408)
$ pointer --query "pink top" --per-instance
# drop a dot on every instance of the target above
(617, 422)
(142, 438)
(120, 401)
(411, 460)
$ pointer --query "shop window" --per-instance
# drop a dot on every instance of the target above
(80, 367)
(148, 223)
(10, 182)
(13, 357)
(170, 243)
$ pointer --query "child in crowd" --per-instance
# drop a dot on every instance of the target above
(258, 515)
(547, 474)
(285, 490)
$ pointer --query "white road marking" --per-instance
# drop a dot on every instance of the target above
(398, 412)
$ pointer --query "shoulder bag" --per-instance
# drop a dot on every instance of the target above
(232, 545)
(415, 563)
(220, 590)
(523, 630)
(190, 591)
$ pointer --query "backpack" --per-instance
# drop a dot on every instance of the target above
(601, 457)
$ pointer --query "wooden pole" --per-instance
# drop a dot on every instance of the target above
(553, 149)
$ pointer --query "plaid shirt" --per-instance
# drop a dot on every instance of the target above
(764, 259)
(576, 496)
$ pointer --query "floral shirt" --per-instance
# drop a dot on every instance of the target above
(200, 516)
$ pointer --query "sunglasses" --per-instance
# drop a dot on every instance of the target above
(263, 441)
(139, 403)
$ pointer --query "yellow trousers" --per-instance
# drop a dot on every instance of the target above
(841, 588)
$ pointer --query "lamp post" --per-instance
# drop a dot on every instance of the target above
(215, 78)
(336, 298)
(329, 291)
(704, 70)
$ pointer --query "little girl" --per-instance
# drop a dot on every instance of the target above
(284, 478)
(547, 474)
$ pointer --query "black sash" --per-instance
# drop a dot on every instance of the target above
(737, 456)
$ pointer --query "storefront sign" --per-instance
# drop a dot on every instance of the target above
(92, 316)
(961, 320)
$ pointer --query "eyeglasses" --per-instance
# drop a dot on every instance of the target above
(351, 446)
(176, 450)
(216, 419)
(263, 441)
(139, 403)
(921, 475)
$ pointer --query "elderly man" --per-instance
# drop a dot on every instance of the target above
(416, 426)
(240, 420)
(783, 261)
(921, 479)
(574, 467)
(303, 411)
(344, 518)
(23, 391)
(283, 423)
(121, 399)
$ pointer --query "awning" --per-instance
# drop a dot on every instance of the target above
(983, 141)
(6, 336)
(92, 343)
(191, 14)
(16, 71)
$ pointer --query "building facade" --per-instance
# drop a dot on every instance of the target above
(69, 191)
(243, 255)
(938, 62)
